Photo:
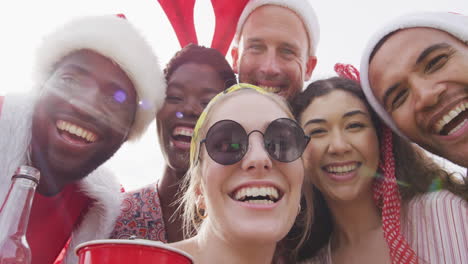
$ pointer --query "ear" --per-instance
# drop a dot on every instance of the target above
(235, 58)
(310, 66)
(200, 201)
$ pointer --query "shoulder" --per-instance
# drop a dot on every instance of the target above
(441, 207)
(437, 201)
(141, 215)
(436, 227)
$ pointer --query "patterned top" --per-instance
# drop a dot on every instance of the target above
(141, 216)
(436, 228)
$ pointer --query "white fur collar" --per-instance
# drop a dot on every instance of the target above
(100, 185)
(99, 221)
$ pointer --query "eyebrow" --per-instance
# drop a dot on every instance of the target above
(254, 40)
(355, 112)
(426, 52)
(315, 121)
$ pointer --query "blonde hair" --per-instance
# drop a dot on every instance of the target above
(193, 178)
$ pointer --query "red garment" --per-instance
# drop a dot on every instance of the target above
(180, 14)
(52, 221)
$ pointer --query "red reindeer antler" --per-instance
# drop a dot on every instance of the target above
(227, 15)
(180, 14)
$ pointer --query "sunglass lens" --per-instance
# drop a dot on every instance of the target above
(226, 142)
(284, 140)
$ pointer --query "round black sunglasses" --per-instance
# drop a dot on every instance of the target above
(227, 141)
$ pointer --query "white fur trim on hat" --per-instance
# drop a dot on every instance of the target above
(454, 24)
(117, 39)
(302, 8)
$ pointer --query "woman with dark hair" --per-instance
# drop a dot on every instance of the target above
(371, 201)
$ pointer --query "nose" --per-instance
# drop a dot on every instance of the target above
(192, 107)
(87, 98)
(427, 93)
(256, 159)
(339, 145)
(269, 65)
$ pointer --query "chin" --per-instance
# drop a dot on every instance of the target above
(262, 232)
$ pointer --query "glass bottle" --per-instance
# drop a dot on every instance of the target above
(14, 216)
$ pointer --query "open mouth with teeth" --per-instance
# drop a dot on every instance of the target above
(75, 133)
(271, 89)
(182, 136)
(342, 169)
(257, 195)
(453, 121)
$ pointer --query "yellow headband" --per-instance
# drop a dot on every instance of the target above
(202, 117)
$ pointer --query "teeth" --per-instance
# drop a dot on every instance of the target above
(183, 131)
(76, 130)
(267, 191)
(259, 201)
(341, 169)
(450, 116)
(272, 89)
(455, 129)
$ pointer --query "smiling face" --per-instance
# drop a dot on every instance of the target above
(228, 191)
(82, 117)
(425, 89)
(189, 90)
(343, 154)
(274, 51)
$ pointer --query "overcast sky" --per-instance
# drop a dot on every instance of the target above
(345, 28)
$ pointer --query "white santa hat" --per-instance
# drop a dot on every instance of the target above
(302, 8)
(116, 38)
(452, 23)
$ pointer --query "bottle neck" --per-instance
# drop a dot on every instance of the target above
(14, 213)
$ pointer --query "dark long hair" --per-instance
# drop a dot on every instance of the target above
(414, 170)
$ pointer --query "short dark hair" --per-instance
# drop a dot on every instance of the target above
(193, 53)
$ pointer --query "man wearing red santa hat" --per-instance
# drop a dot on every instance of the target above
(98, 84)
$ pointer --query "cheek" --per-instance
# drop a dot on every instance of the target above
(248, 62)
(405, 119)
(370, 145)
(311, 156)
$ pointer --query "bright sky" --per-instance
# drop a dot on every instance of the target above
(345, 28)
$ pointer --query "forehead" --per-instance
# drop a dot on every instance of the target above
(342, 102)
(271, 21)
(398, 54)
(195, 74)
(248, 108)
(90, 63)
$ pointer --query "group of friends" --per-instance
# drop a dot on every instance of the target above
(258, 169)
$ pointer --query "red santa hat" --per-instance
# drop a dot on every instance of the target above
(116, 38)
(302, 8)
(452, 23)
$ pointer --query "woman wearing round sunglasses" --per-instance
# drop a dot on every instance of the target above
(245, 177)
(361, 185)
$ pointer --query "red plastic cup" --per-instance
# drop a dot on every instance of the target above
(122, 251)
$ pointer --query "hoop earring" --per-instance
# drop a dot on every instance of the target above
(200, 215)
